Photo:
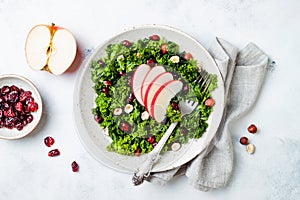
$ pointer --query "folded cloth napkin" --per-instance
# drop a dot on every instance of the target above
(243, 73)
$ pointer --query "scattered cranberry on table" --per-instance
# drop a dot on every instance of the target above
(75, 166)
(49, 141)
(252, 129)
(16, 106)
(244, 140)
(53, 153)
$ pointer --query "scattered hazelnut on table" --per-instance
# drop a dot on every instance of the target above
(250, 148)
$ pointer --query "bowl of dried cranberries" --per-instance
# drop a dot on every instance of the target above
(20, 106)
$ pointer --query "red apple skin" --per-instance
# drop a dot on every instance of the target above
(157, 94)
(143, 83)
(146, 103)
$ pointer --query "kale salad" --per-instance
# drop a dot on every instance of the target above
(132, 130)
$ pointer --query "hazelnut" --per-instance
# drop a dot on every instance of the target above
(250, 148)
(175, 59)
(128, 108)
(175, 146)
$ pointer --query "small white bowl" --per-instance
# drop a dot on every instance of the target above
(26, 85)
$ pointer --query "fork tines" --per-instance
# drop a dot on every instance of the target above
(204, 79)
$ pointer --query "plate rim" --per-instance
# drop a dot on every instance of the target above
(84, 65)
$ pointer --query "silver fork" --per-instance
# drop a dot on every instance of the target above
(186, 107)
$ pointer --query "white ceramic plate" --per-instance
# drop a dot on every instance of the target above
(92, 136)
(25, 84)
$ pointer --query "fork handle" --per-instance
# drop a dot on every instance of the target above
(143, 172)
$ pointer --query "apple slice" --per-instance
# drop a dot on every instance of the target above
(152, 73)
(152, 88)
(50, 48)
(162, 97)
(137, 80)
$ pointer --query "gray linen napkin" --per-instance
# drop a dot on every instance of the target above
(243, 73)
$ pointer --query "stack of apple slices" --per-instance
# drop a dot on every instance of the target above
(153, 88)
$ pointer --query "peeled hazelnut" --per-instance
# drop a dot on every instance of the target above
(128, 108)
(175, 146)
(250, 148)
(118, 111)
(145, 115)
(175, 59)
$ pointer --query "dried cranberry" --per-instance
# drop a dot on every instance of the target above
(24, 95)
(183, 131)
(124, 127)
(163, 48)
(14, 88)
(75, 166)
(19, 126)
(105, 90)
(122, 73)
(54, 152)
(126, 43)
(19, 106)
(209, 102)
(187, 56)
(9, 112)
(175, 106)
(151, 62)
(154, 37)
(98, 119)
(151, 139)
(5, 89)
(244, 140)
(13, 96)
(32, 106)
(29, 118)
(252, 129)
(137, 151)
(49, 141)
(107, 83)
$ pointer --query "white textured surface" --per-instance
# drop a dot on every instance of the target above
(272, 172)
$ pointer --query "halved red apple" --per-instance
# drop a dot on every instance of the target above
(152, 88)
(150, 76)
(50, 48)
(162, 98)
(137, 80)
